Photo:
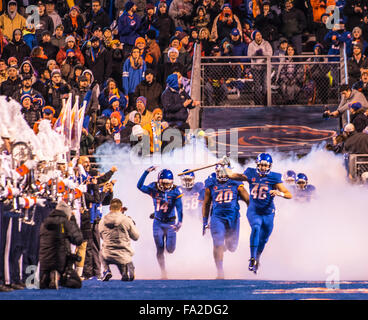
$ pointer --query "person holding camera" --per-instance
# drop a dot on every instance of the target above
(58, 231)
(117, 230)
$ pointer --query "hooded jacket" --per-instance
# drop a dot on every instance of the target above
(117, 230)
(56, 235)
(173, 99)
(128, 27)
(99, 63)
(10, 23)
(18, 49)
(151, 91)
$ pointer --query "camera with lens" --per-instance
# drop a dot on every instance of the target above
(325, 114)
(227, 15)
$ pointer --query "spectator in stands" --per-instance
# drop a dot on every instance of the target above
(98, 61)
(155, 130)
(111, 89)
(38, 60)
(57, 91)
(202, 19)
(205, 42)
(176, 103)
(150, 89)
(356, 142)
(51, 12)
(117, 61)
(258, 49)
(358, 117)
(362, 84)
(16, 47)
(146, 115)
(46, 23)
(49, 49)
(316, 73)
(3, 71)
(183, 57)
(12, 84)
(98, 17)
(26, 68)
(293, 25)
(31, 112)
(321, 30)
(58, 39)
(70, 43)
(357, 62)
(133, 73)
(128, 25)
(73, 23)
(181, 12)
(291, 78)
(42, 82)
(348, 96)
(224, 23)
(164, 24)
(171, 64)
(153, 49)
(104, 132)
(48, 113)
(11, 20)
(114, 106)
(319, 9)
(134, 120)
(268, 23)
(86, 143)
(26, 88)
(116, 126)
(354, 12)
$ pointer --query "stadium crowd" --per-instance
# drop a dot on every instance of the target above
(130, 63)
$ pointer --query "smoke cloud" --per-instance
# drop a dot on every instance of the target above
(308, 238)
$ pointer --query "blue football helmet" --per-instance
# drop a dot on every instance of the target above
(220, 173)
(264, 159)
(290, 177)
(188, 179)
(301, 181)
(165, 180)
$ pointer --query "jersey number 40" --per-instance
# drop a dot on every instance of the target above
(224, 196)
(259, 191)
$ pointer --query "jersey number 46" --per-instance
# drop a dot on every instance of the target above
(259, 191)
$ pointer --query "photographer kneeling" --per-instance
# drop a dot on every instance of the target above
(58, 231)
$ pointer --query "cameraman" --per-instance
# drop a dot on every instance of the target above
(116, 230)
(58, 231)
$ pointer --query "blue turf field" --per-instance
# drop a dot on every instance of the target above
(197, 290)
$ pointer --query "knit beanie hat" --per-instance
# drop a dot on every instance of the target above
(157, 110)
(253, 34)
(25, 96)
(112, 99)
(142, 99)
(129, 5)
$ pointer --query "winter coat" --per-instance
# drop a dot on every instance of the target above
(19, 49)
(293, 22)
(174, 12)
(357, 143)
(268, 25)
(61, 55)
(31, 115)
(55, 96)
(221, 30)
(174, 110)
(100, 19)
(8, 87)
(166, 27)
(60, 43)
(128, 27)
(49, 49)
(9, 25)
(151, 91)
(116, 230)
(101, 67)
(354, 67)
(262, 49)
(70, 29)
(168, 68)
(359, 120)
(56, 235)
(46, 24)
(361, 87)
(353, 18)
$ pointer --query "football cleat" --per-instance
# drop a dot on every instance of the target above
(107, 275)
(253, 265)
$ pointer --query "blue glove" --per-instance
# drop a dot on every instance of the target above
(205, 225)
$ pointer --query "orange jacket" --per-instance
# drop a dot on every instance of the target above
(319, 9)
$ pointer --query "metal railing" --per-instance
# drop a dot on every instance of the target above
(277, 80)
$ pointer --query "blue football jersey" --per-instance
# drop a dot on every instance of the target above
(192, 199)
(260, 199)
(304, 195)
(164, 202)
(225, 197)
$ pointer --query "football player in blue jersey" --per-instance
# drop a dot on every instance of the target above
(303, 190)
(193, 194)
(224, 195)
(166, 198)
(289, 177)
(264, 185)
